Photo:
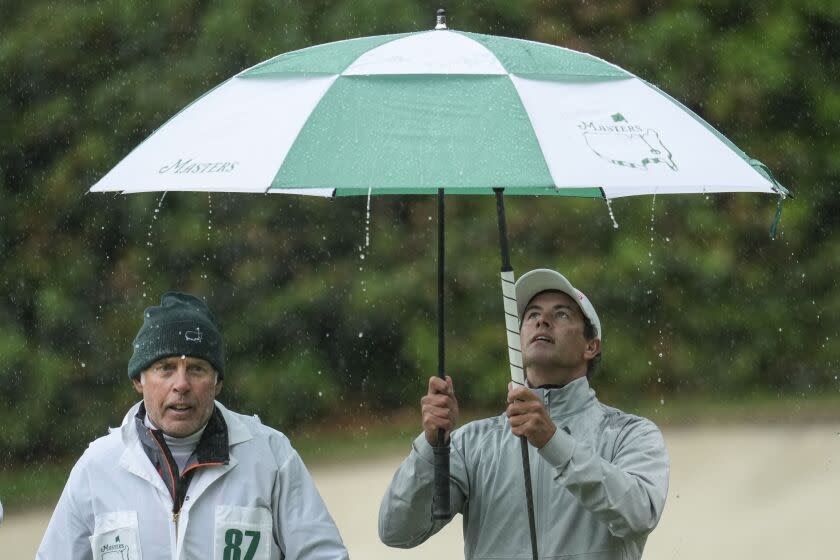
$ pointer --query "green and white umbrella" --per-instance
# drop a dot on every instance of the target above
(416, 112)
(437, 112)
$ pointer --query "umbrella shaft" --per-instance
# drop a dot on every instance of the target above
(513, 343)
(440, 504)
(503, 237)
(440, 270)
(529, 493)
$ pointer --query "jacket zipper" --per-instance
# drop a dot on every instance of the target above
(176, 506)
(175, 520)
(540, 520)
(176, 509)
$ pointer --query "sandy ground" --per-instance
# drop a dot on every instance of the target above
(736, 492)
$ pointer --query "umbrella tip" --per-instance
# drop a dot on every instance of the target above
(441, 19)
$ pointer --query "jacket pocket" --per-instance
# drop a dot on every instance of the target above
(243, 533)
(116, 536)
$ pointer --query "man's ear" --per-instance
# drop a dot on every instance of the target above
(593, 348)
(218, 388)
(137, 385)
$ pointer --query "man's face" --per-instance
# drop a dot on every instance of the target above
(554, 348)
(178, 393)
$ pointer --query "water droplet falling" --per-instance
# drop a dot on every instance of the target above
(367, 219)
(205, 258)
(651, 229)
(364, 248)
(612, 216)
(149, 243)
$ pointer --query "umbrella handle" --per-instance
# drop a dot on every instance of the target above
(440, 503)
(517, 374)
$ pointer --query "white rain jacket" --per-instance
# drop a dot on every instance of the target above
(262, 505)
(599, 489)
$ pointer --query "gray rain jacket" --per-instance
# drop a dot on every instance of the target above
(599, 489)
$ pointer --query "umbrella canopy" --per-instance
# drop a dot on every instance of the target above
(415, 112)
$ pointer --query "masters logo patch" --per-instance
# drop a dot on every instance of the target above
(627, 145)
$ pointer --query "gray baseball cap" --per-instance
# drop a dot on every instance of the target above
(542, 279)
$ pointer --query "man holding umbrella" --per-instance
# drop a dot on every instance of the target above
(600, 475)
(184, 477)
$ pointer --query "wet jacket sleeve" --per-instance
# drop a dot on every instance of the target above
(405, 514)
(306, 530)
(71, 524)
(627, 492)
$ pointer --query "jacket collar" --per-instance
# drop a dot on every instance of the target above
(570, 399)
(237, 430)
(211, 448)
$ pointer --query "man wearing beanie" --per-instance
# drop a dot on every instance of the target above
(183, 477)
(599, 476)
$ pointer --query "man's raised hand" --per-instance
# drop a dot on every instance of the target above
(439, 408)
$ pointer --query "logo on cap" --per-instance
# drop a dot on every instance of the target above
(193, 336)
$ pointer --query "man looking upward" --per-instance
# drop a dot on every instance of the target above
(600, 476)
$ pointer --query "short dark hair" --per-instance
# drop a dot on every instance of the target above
(589, 333)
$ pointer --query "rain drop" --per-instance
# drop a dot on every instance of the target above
(361, 335)
(367, 219)
(612, 216)
(652, 224)
(84, 364)
(660, 354)
(149, 234)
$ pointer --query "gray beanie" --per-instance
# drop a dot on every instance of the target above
(182, 325)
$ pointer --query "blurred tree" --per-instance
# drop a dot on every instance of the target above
(694, 296)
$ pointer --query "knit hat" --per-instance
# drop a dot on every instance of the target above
(182, 325)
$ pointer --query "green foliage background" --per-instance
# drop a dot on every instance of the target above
(695, 298)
